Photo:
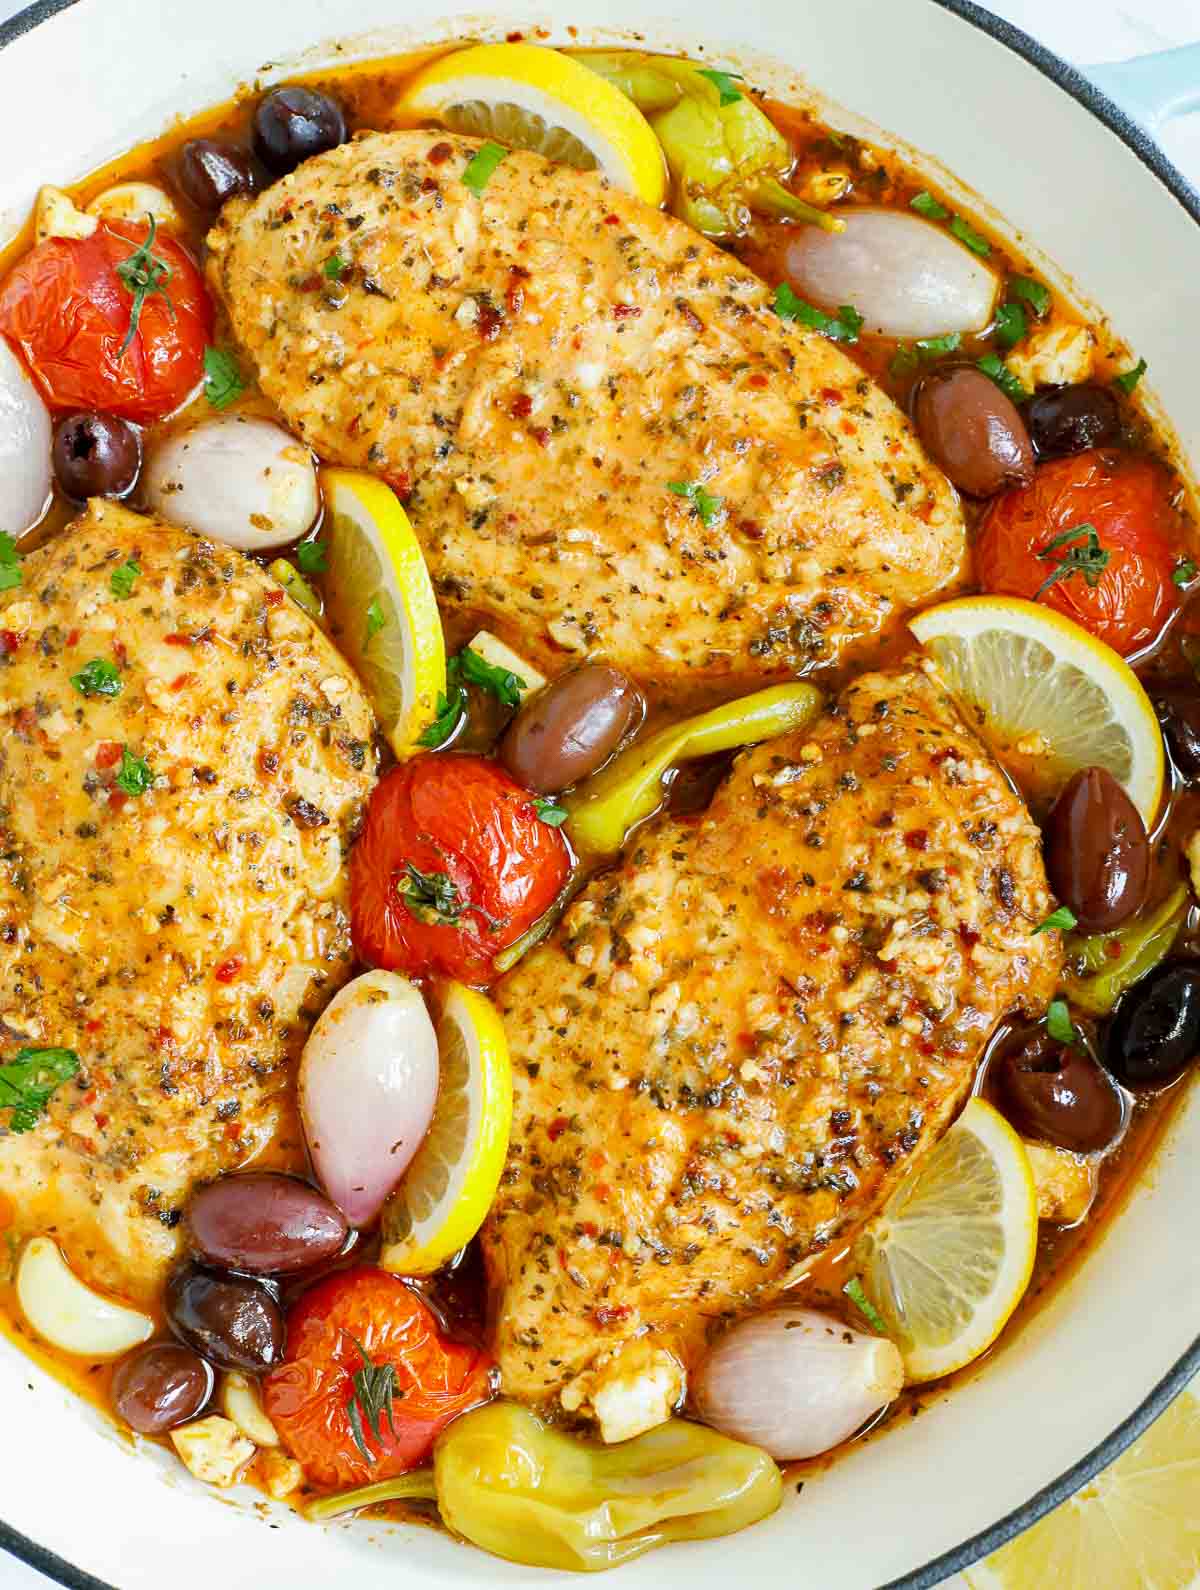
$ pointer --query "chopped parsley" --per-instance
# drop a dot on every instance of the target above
(449, 714)
(134, 776)
(842, 327)
(725, 84)
(310, 556)
(1184, 573)
(1074, 551)
(10, 563)
(335, 267)
(143, 275)
(479, 169)
(1063, 919)
(549, 811)
(994, 367)
(925, 204)
(1032, 293)
(966, 233)
(223, 382)
(709, 509)
(28, 1082)
(98, 678)
(374, 1389)
(1130, 379)
(908, 356)
(473, 669)
(854, 1291)
(375, 621)
(1059, 1025)
(120, 581)
(1011, 325)
(431, 897)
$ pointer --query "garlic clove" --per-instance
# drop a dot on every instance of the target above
(240, 1402)
(69, 1314)
(213, 1449)
(55, 214)
(133, 202)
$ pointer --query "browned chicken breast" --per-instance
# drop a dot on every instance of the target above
(738, 1042)
(613, 445)
(172, 889)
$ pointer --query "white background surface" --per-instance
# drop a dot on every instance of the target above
(1085, 32)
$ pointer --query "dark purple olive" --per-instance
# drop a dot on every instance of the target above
(1155, 1034)
(210, 170)
(571, 728)
(1059, 1094)
(161, 1386)
(1179, 714)
(972, 431)
(1097, 853)
(1070, 419)
(95, 455)
(292, 123)
(265, 1223)
(234, 1321)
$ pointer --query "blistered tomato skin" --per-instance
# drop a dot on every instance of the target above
(489, 866)
(1097, 852)
(308, 1396)
(1125, 497)
(68, 311)
(266, 1223)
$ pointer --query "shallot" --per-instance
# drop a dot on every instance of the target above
(25, 431)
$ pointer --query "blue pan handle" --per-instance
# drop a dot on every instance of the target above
(1153, 89)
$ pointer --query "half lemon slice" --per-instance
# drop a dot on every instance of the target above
(1047, 697)
(379, 604)
(532, 97)
(448, 1189)
(950, 1257)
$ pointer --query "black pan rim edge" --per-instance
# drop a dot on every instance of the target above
(1085, 93)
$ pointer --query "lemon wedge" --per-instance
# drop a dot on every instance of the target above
(950, 1257)
(1135, 1526)
(379, 604)
(532, 97)
(1048, 697)
(448, 1189)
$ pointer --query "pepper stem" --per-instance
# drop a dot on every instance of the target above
(416, 1486)
(772, 198)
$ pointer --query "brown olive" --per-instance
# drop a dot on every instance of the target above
(1059, 1094)
(1070, 419)
(161, 1386)
(210, 170)
(95, 455)
(235, 1322)
(1179, 714)
(266, 1223)
(972, 431)
(1155, 1035)
(571, 728)
(1097, 853)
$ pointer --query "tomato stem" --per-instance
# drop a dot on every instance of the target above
(143, 274)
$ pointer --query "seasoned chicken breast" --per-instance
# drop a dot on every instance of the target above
(610, 443)
(172, 888)
(737, 1043)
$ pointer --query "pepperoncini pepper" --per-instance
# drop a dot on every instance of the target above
(1097, 978)
(725, 155)
(630, 788)
(507, 1482)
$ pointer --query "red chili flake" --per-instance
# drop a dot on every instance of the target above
(73, 638)
(917, 839)
(597, 1158)
(848, 428)
(182, 681)
(311, 284)
(557, 1127)
(522, 406)
(612, 220)
(942, 754)
(1113, 949)
(691, 317)
(514, 294)
(732, 1139)
(228, 970)
(117, 799)
(886, 966)
(439, 153)
(26, 722)
(751, 528)
(611, 1313)
(401, 484)
(589, 1228)
(10, 640)
(603, 1192)
(625, 311)
(268, 763)
(541, 434)
(101, 1120)
(352, 428)
(202, 637)
(163, 1038)
(108, 753)
(488, 321)
(514, 37)
(758, 380)
(968, 935)
(274, 598)
(92, 1026)
(831, 395)
(120, 652)
(428, 185)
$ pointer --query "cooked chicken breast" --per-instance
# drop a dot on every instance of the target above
(180, 939)
(738, 1042)
(610, 443)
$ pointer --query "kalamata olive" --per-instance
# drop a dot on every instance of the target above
(265, 1223)
(210, 170)
(1070, 419)
(292, 123)
(1155, 1034)
(1097, 853)
(571, 728)
(972, 431)
(234, 1321)
(95, 455)
(160, 1386)
(1179, 714)
(1059, 1094)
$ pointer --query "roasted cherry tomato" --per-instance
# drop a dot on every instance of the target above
(369, 1380)
(1116, 577)
(453, 864)
(68, 305)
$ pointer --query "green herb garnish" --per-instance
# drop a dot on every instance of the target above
(966, 233)
(371, 1399)
(709, 509)
(908, 356)
(120, 581)
(98, 678)
(143, 274)
(28, 1082)
(930, 347)
(310, 557)
(842, 327)
(375, 621)
(450, 709)
(1130, 379)
(431, 897)
(1059, 1025)
(472, 669)
(1033, 293)
(134, 775)
(1184, 573)
(994, 367)
(854, 1291)
(223, 382)
(1063, 919)
(10, 563)
(1070, 558)
(550, 812)
(478, 171)
(335, 267)
(925, 204)
(1011, 325)
(725, 84)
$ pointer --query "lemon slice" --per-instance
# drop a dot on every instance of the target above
(1135, 1527)
(531, 97)
(379, 604)
(1048, 697)
(448, 1189)
(951, 1255)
